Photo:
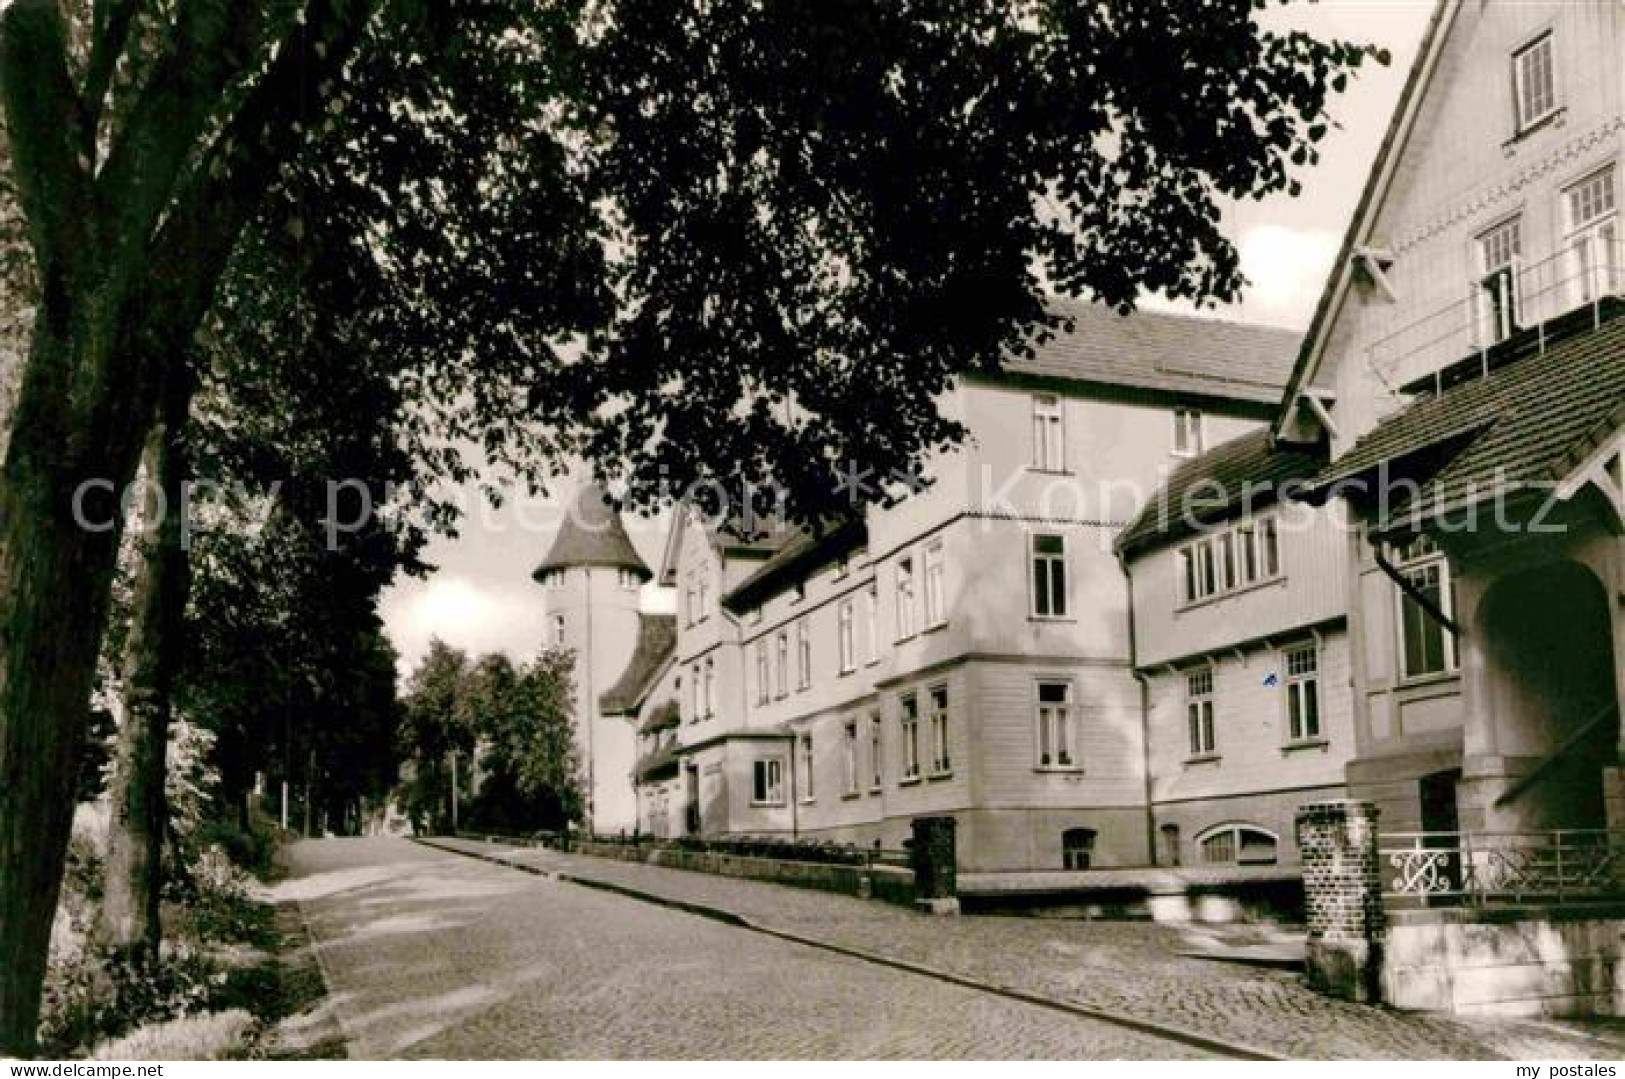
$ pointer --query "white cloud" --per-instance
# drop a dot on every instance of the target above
(1286, 269)
(462, 614)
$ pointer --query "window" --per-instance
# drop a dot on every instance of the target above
(756, 616)
(1592, 237)
(936, 611)
(1168, 836)
(844, 635)
(871, 618)
(1426, 647)
(762, 676)
(703, 584)
(690, 606)
(1187, 432)
(1077, 848)
(1199, 711)
(1049, 576)
(877, 760)
(1226, 561)
(710, 686)
(1499, 251)
(808, 792)
(911, 736)
(558, 631)
(1056, 737)
(905, 598)
(782, 649)
(849, 757)
(768, 782)
(1303, 693)
(803, 655)
(627, 578)
(941, 765)
(1534, 88)
(1237, 844)
(696, 702)
(1049, 434)
(551, 578)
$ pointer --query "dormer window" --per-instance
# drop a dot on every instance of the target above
(1187, 432)
(551, 578)
(1534, 83)
(628, 578)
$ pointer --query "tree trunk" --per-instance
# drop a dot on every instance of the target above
(129, 917)
(54, 577)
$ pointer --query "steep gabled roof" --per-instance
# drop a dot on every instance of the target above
(800, 555)
(657, 639)
(1393, 144)
(591, 534)
(1161, 352)
(1522, 427)
(1244, 474)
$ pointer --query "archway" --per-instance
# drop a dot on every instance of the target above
(1550, 691)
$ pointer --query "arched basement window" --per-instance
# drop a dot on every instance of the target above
(1077, 848)
(1237, 844)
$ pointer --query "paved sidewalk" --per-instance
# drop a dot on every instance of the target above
(1133, 969)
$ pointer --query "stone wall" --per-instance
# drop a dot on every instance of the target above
(890, 883)
(1513, 961)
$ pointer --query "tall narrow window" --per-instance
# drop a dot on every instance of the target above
(935, 570)
(1270, 545)
(911, 736)
(849, 757)
(905, 598)
(1049, 433)
(844, 635)
(1499, 251)
(690, 606)
(1199, 711)
(710, 686)
(1593, 237)
(941, 763)
(781, 646)
(1055, 725)
(1049, 576)
(703, 585)
(877, 757)
(697, 702)
(558, 631)
(1534, 83)
(762, 676)
(1303, 693)
(803, 655)
(1187, 432)
(1426, 646)
(808, 791)
(871, 623)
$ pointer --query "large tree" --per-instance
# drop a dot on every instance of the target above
(835, 203)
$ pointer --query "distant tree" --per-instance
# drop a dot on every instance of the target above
(434, 726)
(526, 726)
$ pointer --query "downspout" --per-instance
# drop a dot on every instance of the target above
(1145, 710)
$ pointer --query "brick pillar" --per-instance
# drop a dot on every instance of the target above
(1342, 885)
(934, 852)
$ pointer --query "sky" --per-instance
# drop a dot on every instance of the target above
(481, 597)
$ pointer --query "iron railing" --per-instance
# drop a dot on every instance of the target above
(1527, 301)
(1487, 868)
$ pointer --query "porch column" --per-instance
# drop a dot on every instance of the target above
(1342, 884)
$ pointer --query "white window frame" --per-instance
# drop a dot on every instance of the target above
(1200, 723)
(938, 713)
(803, 654)
(1300, 673)
(1529, 110)
(627, 579)
(1048, 582)
(1231, 560)
(877, 751)
(704, 589)
(908, 722)
(849, 759)
(934, 568)
(1416, 561)
(710, 686)
(764, 675)
(1049, 433)
(558, 631)
(1078, 856)
(1055, 727)
(1233, 830)
(1498, 290)
(767, 782)
(1190, 432)
(846, 635)
(1591, 235)
(871, 616)
(781, 653)
(809, 787)
(906, 599)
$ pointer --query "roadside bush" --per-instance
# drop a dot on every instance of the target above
(217, 1036)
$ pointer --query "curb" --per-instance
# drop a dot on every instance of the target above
(1234, 1050)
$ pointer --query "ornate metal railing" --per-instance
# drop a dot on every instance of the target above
(1485, 868)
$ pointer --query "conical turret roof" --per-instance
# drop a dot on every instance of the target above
(591, 534)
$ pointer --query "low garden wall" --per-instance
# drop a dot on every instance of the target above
(890, 883)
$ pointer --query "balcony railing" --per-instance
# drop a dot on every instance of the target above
(1431, 869)
(1524, 305)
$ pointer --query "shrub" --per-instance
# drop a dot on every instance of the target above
(225, 1035)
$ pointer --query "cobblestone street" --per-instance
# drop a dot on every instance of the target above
(1133, 969)
(433, 955)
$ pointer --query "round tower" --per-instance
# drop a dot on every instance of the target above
(590, 578)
